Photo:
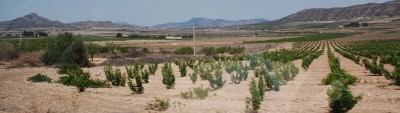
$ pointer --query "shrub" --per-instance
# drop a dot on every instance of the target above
(261, 86)
(168, 76)
(145, 75)
(153, 67)
(217, 82)
(182, 69)
(193, 77)
(66, 48)
(255, 96)
(39, 78)
(208, 51)
(293, 70)
(146, 50)
(82, 81)
(184, 50)
(136, 88)
(340, 98)
(345, 78)
(158, 104)
(201, 93)
(129, 71)
(114, 76)
(65, 68)
(187, 95)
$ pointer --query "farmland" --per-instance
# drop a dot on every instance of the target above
(284, 73)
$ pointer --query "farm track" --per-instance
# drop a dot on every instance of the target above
(304, 94)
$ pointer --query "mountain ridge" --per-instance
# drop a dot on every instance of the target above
(205, 22)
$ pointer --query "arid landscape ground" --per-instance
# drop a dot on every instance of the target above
(305, 93)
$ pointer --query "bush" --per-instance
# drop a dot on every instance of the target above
(340, 98)
(146, 50)
(136, 88)
(261, 86)
(65, 68)
(255, 95)
(8, 52)
(217, 82)
(39, 78)
(82, 81)
(113, 48)
(184, 51)
(153, 67)
(66, 48)
(114, 76)
(345, 78)
(208, 51)
(145, 75)
(199, 93)
(168, 76)
(182, 69)
(193, 77)
(158, 104)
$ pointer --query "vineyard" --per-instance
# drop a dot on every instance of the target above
(313, 76)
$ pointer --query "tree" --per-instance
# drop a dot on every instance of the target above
(113, 48)
(66, 48)
(92, 48)
(118, 35)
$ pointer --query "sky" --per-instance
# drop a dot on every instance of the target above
(153, 12)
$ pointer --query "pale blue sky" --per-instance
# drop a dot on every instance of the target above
(151, 12)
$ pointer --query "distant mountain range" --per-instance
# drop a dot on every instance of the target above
(369, 10)
(205, 23)
(33, 20)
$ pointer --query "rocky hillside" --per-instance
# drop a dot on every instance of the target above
(204, 22)
(29, 21)
(391, 8)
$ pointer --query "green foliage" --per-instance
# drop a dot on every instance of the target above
(313, 37)
(293, 70)
(340, 98)
(113, 48)
(193, 77)
(158, 104)
(118, 35)
(153, 67)
(92, 48)
(65, 68)
(343, 77)
(255, 95)
(114, 76)
(238, 72)
(261, 86)
(146, 50)
(138, 87)
(216, 81)
(201, 92)
(145, 75)
(168, 76)
(184, 51)
(182, 69)
(39, 78)
(208, 51)
(82, 81)
(66, 48)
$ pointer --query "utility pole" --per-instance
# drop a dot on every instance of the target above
(194, 42)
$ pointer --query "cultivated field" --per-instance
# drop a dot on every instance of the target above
(300, 92)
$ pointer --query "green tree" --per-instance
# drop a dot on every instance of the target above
(118, 35)
(92, 48)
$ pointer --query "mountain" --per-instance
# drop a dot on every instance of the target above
(369, 10)
(30, 20)
(204, 23)
(89, 23)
